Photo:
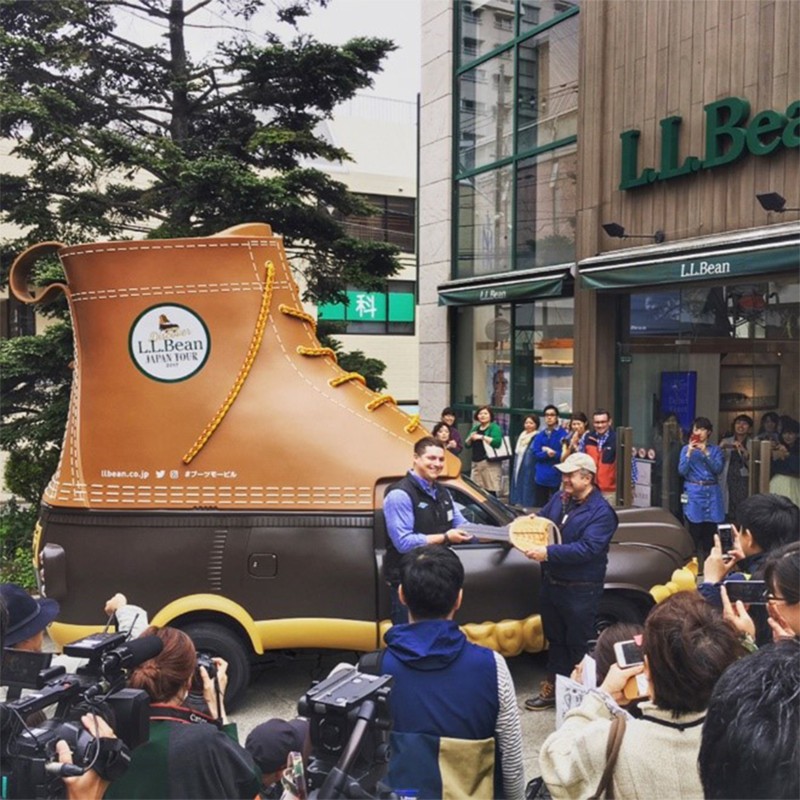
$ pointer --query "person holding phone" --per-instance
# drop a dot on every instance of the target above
(766, 522)
(701, 463)
(687, 646)
(782, 597)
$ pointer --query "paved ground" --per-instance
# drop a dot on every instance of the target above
(275, 692)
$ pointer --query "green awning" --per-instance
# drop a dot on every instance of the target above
(530, 287)
(727, 262)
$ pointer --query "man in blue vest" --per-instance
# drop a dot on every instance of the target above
(418, 512)
(456, 729)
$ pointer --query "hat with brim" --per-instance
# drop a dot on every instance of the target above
(27, 615)
(271, 742)
(576, 461)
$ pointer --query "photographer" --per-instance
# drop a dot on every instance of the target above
(14, 631)
(782, 576)
(28, 618)
(766, 522)
(189, 754)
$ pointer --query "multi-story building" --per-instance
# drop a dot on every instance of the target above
(549, 128)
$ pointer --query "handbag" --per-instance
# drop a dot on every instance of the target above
(615, 734)
(498, 453)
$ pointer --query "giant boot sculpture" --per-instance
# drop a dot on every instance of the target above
(199, 383)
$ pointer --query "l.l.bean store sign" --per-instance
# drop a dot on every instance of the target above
(729, 137)
(752, 259)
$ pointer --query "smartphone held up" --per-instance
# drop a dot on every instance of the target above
(629, 653)
(725, 532)
(752, 593)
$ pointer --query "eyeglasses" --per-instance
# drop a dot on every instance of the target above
(773, 598)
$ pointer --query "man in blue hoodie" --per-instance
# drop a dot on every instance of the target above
(456, 729)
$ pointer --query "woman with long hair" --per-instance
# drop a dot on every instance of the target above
(522, 489)
(735, 474)
(189, 754)
(785, 478)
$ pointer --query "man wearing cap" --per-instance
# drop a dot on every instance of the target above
(574, 571)
(270, 744)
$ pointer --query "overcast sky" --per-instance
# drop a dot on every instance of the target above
(398, 20)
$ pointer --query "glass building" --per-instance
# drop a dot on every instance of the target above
(565, 117)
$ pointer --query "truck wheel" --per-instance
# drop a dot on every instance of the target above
(616, 608)
(217, 640)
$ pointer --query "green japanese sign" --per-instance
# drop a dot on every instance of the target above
(370, 307)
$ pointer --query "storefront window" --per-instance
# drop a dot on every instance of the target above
(545, 230)
(534, 13)
(516, 359)
(485, 223)
(483, 356)
(547, 94)
(543, 337)
(717, 352)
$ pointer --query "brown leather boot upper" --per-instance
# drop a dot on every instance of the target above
(199, 382)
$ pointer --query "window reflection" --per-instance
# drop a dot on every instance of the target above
(545, 231)
(547, 101)
(764, 310)
(485, 112)
(484, 223)
(488, 24)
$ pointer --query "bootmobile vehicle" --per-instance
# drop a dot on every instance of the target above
(189, 481)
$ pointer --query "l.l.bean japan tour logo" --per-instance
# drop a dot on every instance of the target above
(169, 343)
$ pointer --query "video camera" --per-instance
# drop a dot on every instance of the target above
(30, 767)
(349, 722)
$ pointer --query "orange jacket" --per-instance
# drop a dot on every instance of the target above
(606, 460)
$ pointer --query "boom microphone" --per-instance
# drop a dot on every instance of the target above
(133, 653)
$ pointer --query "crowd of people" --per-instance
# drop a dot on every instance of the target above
(708, 481)
(720, 679)
(544, 443)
